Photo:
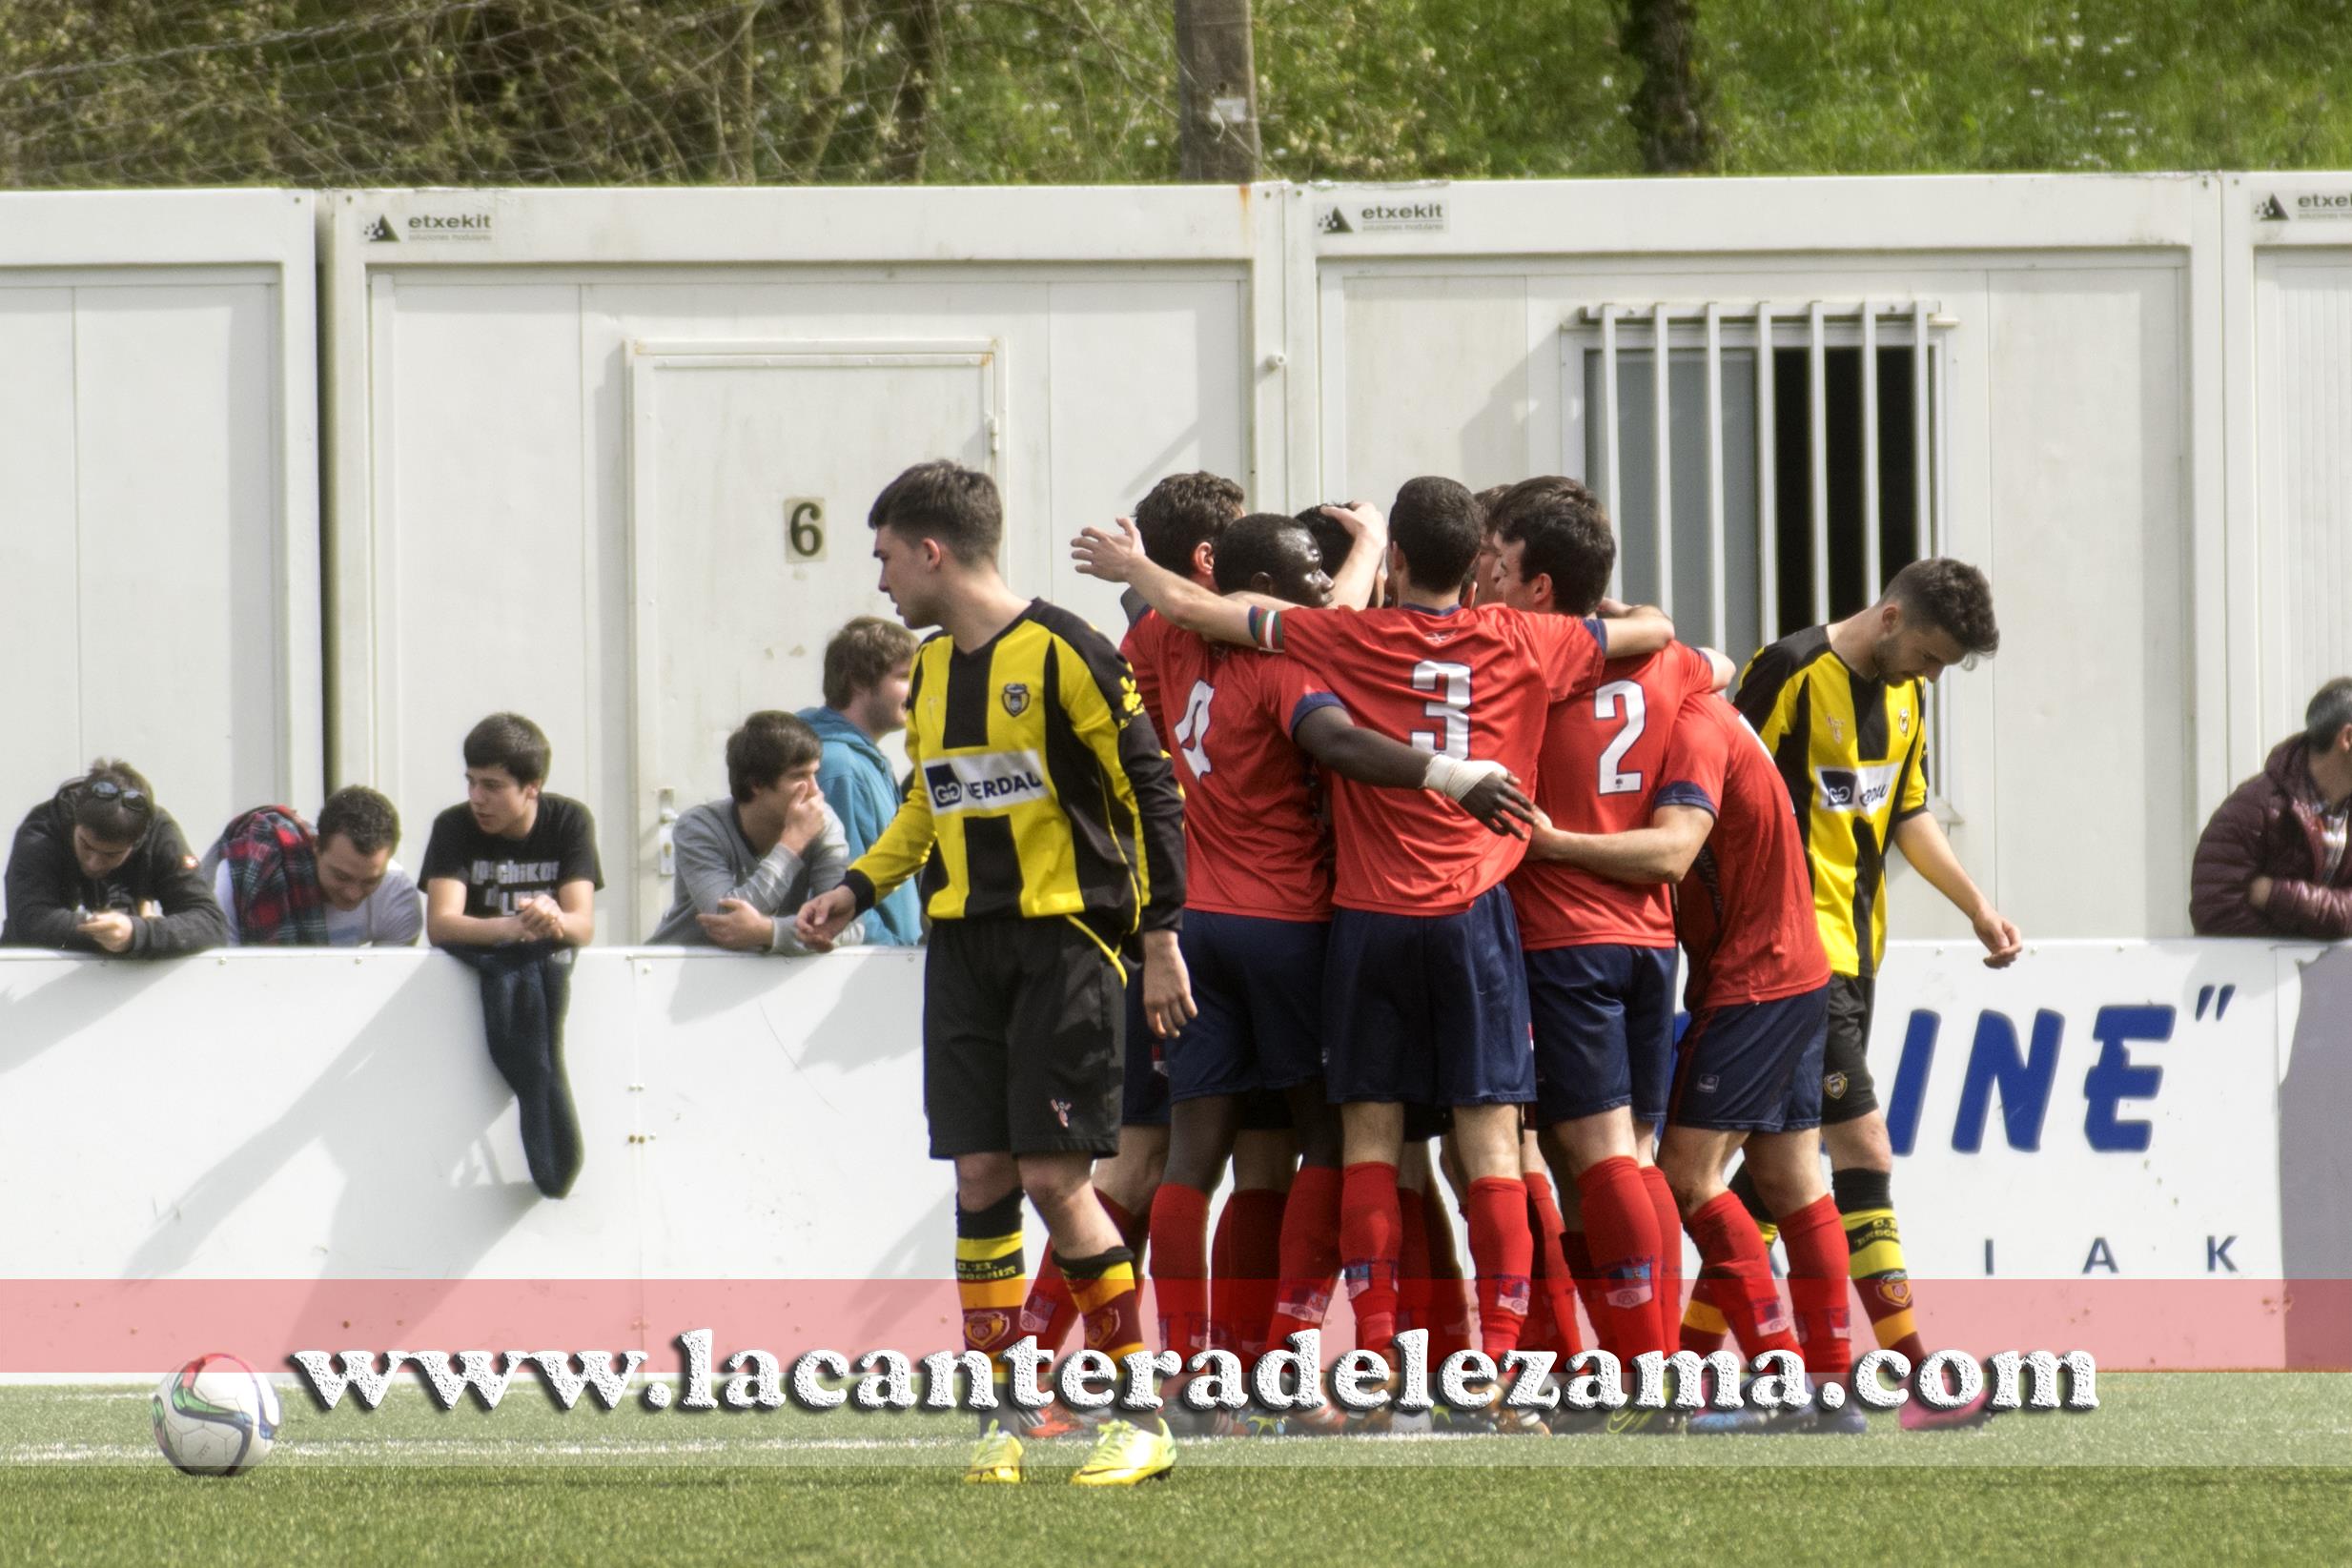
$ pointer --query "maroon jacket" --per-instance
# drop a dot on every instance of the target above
(2270, 828)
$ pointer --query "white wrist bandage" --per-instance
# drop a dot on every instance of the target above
(1455, 778)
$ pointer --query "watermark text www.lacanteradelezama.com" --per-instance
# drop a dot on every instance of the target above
(1289, 1378)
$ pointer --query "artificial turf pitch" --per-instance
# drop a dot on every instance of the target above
(2208, 1468)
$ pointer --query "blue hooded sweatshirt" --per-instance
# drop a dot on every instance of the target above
(859, 786)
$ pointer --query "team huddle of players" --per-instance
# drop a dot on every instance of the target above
(1397, 957)
(1473, 934)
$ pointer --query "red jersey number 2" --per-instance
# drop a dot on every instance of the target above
(1620, 697)
(1450, 707)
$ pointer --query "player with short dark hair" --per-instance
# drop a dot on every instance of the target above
(1843, 710)
(1747, 1071)
(1599, 953)
(1424, 997)
(1049, 831)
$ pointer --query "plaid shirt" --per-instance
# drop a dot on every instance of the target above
(274, 879)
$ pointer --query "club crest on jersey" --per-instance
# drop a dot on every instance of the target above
(1834, 1086)
(1061, 1111)
(1016, 698)
(1902, 719)
(1709, 1084)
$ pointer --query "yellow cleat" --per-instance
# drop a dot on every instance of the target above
(1125, 1454)
(997, 1461)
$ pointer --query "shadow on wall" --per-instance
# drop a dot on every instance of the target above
(409, 1144)
(2315, 1169)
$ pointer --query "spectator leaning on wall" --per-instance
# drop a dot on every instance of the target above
(510, 880)
(745, 864)
(101, 867)
(866, 668)
(281, 883)
(2272, 861)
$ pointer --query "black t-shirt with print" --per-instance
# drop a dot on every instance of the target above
(499, 873)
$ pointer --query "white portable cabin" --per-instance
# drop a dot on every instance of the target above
(605, 457)
(159, 562)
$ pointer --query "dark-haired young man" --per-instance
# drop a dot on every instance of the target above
(510, 880)
(1053, 834)
(281, 883)
(747, 864)
(1843, 710)
(1600, 954)
(868, 665)
(1424, 996)
(100, 867)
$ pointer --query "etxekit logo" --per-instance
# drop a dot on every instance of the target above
(432, 226)
(1427, 215)
(2334, 205)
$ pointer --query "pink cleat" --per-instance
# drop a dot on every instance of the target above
(1919, 1416)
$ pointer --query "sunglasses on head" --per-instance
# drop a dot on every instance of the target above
(107, 789)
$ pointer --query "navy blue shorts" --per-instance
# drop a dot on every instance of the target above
(1428, 1009)
(1259, 985)
(1752, 1066)
(1603, 1029)
(1143, 1099)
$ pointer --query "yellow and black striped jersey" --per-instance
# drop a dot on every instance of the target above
(1039, 788)
(1852, 750)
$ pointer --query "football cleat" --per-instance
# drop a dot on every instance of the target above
(1643, 1421)
(1126, 1455)
(995, 1459)
(1918, 1416)
(1323, 1420)
(1847, 1420)
(1727, 1423)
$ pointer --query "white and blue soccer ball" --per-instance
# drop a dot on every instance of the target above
(216, 1416)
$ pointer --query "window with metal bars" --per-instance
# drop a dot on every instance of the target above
(1753, 492)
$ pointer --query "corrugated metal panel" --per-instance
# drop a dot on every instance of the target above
(2304, 425)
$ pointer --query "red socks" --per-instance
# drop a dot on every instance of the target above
(1179, 1270)
(1551, 1316)
(1504, 1254)
(1370, 1238)
(1413, 1282)
(1621, 1233)
(1310, 1253)
(1449, 1296)
(1244, 1269)
(1732, 1261)
(1668, 1220)
(1817, 1286)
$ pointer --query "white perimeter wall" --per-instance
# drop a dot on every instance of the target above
(280, 1118)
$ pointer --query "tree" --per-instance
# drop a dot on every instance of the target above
(1670, 101)
(1216, 90)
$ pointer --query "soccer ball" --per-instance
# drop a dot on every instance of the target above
(216, 1416)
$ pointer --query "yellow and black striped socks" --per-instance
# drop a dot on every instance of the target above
(1874, 1253)
(990, 1282)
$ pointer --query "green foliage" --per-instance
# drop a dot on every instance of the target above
(310, 93)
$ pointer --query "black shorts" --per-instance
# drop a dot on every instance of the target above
(1022, 1025)
(1143, 1095)
(1847, 1093)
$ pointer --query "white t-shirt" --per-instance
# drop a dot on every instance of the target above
(392, 916)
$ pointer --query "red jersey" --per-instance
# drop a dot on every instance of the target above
(1144, 648)
(1745, 911)
(1469, 682)
(1255, 840)
(1602, 754)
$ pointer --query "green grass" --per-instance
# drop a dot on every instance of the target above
(2211, 1468)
